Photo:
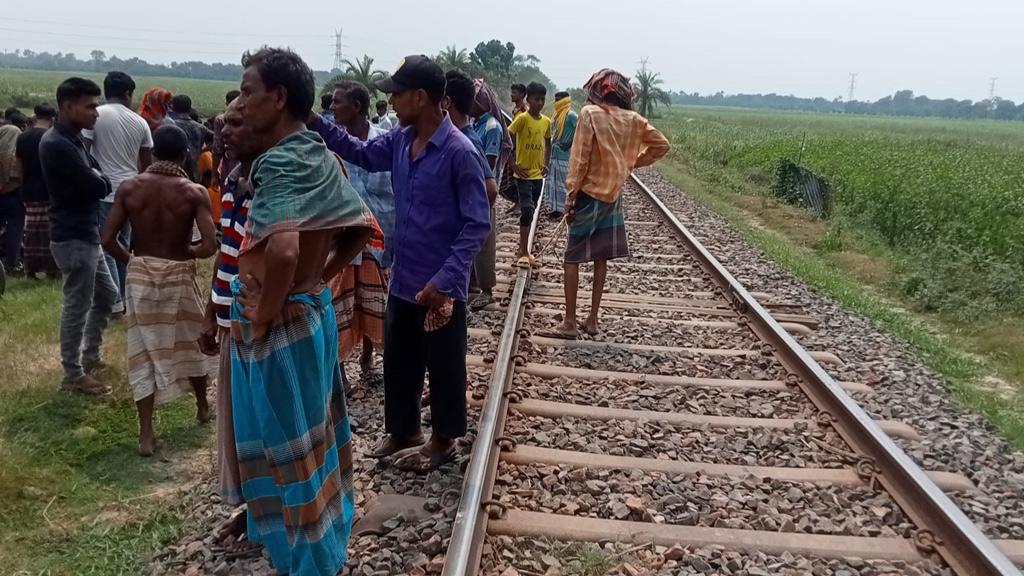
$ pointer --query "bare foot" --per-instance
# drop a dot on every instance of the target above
(590, 326)
(390, 444)
(234, 526)
(147, 444)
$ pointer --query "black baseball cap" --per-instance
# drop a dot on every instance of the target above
(414, 73)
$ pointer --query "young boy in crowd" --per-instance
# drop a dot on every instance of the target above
(532, 132)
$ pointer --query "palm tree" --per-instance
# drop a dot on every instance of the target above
(452, 57)
(362, 71)
(649, 93)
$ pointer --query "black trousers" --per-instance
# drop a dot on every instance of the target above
(409, 351)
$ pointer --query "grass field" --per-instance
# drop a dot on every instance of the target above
(928, 213)
(26, 88)
(75, 498)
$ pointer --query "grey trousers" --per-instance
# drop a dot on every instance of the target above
(483, 265)
(89, 296)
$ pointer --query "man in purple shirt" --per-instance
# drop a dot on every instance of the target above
(441, 219)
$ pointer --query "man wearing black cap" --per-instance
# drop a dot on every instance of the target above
(442, 218)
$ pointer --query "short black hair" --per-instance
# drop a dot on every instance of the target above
(118, 85)
(193, 114)
(284, 68)
(169, 143)
(459, 88)
(536, 89)
(519, 87)
(561, 94)
(45, 110)
(11, 112)
(181, 104)
(18, 119)
(382, 104)
(357, 93)
(231, 95)
(325, 101)
(74, 88)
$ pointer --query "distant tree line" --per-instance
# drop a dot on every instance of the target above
(902, 103)
(99, 62)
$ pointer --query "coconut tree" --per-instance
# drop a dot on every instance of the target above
(649, 93)
(452, 57)
(361, 70)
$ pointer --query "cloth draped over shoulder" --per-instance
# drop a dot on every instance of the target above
(301, 187)
(487, 101)
(562, 108)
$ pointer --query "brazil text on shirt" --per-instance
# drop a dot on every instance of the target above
(441, 211)
(531, 136)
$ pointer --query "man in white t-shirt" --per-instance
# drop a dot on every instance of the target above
(123, 145)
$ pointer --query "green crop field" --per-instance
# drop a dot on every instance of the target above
(26, 88)
(946, 196)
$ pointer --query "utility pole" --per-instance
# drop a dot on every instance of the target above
(337, 50)
(992, 94)
(853, 85)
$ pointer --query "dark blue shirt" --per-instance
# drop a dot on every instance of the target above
(441, 212)
(75, 185)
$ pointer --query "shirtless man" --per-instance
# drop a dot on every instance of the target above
(164, 307)
(305, 224)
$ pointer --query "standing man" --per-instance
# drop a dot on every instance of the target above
(383, 120)
(360, 292)
(305, 225)
(12, 209)
(492, 130)
(181, 106)
(163, 303)
(222, 164)
(36, 244)
(441, 220)
(123, 145)
(76, 186)
(563, 130)
(518, 94)
(532, 131)
(611, 140)
(236, 197)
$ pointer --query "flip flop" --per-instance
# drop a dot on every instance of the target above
(389, 446)
(558, 334)
(422, 463)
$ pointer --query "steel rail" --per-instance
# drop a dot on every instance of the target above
(470, 525)
(943, 527)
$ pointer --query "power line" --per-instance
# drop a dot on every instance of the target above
(178, 32)
(104, 37)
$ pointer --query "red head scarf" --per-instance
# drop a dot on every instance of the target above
(153, 106)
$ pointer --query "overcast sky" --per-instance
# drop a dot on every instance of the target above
(942, 48)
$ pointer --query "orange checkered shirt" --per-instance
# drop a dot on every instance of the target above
(608, 145)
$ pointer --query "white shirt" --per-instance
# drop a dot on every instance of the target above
(118, 136)
(386, 122)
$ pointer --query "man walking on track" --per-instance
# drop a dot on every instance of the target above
(123, 145)
(442, 218)
(76, 187)
(163, 303)
(563, 128)
(610, 141)
(305, 224)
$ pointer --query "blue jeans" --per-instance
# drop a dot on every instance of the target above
(118, 270)
(89, 296)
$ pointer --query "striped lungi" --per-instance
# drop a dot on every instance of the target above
(164, 315)
(360, 294)
(227, 454)
(597, 232)
(555, 197)
(292, 434)
(35, 245)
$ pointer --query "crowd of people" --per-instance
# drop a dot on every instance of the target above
(338, 232)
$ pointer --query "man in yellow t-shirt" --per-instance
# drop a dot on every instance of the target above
(532, 132)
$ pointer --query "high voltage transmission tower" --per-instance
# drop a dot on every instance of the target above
(853, 85)
(338, 60)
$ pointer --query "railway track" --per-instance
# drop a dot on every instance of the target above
(694, 420)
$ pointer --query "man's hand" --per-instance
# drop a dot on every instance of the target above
(544, 171)
(570, 210)
(249, 299)
(430, 297)
(519, 171)
(208, 338)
